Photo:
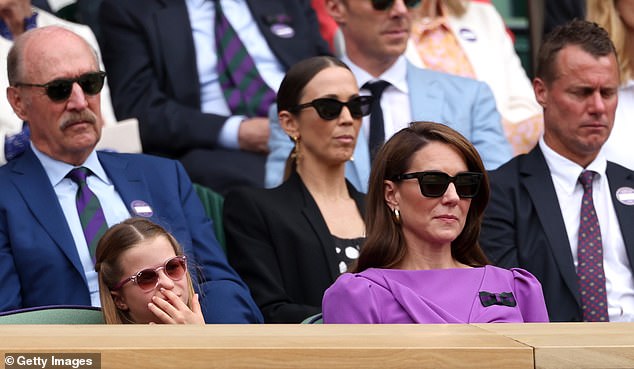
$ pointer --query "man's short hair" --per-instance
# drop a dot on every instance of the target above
(591, 37)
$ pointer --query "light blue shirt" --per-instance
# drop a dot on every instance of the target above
(201, 16)
(66, 191)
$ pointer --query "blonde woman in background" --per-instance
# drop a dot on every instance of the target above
(617, 17)
(469, 39)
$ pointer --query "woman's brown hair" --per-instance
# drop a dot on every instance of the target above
(385, 246)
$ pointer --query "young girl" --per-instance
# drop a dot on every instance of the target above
(143, 276)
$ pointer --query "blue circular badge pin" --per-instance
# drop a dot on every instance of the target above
(625, 195)
(282, 30)
(468, 35)
(141, 208)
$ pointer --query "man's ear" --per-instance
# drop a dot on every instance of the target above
(288, 123)
(337, 10)
(17, 102)
(541, 92)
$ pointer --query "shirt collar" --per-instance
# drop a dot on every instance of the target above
(566, 172)
(396, 75)
(57, 170)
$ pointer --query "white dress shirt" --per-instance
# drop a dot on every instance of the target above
(66, 191)
(395, 103)
(201, 16)
(618, 272)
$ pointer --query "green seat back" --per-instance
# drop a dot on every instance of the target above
(63, 314)
(213, 202)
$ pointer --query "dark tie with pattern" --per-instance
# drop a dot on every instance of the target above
(244, 89)
(594, 300)
(93, 222)
(377, 128)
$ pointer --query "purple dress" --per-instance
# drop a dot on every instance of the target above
(470, 295)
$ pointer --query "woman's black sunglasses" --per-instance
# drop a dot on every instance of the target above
(386, 4)
(330, 109)
(435, 184)
(60, 89)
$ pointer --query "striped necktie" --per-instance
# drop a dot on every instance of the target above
(93, 221)
(244, 89)
(594, 300)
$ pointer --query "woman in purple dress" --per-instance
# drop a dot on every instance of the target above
(421, 262)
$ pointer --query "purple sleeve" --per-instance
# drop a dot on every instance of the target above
(529, 296)
(351, 300)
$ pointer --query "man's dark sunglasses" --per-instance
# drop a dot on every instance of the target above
(329, 109)
(386, 4)
(435, 184)
(60, 89)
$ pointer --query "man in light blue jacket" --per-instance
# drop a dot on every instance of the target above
(375, 35)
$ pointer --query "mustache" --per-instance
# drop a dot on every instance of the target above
(74, 117)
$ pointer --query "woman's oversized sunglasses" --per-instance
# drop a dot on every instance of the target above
(60, 89)
(147, 279)
(329, 109)
(386, 4)
(435, 184)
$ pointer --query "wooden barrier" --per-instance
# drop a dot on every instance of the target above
(559, 345)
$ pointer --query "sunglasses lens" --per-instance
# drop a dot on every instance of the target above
(91, 83)
(382, 4)
(467, 185)
(328, 109)
(433, 184)
(411, 3)
(360, 106)
(175, 268)
(147, 279)
(59, 90)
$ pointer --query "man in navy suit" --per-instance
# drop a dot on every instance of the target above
(161, 60)
(375, 40)
(44, 258)
(533, 220)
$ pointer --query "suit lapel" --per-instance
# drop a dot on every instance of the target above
(175, 40)
(128, 180)
(540, 187)
(619, 177)
(31, 181)
(310, 210)
(426, 95)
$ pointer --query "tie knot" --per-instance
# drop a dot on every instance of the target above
(586, 178)
(79, 175)
(376, 87)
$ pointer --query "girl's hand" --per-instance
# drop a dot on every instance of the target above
(172, 310)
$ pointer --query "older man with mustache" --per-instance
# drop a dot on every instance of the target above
(58, 197)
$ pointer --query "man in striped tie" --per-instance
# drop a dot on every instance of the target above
(58, 198)
(200, 75)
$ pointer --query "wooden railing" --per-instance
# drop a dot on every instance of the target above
(555, 345)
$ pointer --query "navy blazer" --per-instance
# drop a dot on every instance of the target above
(39, 263)
(279, 243)
(149, 53)
(523, 227)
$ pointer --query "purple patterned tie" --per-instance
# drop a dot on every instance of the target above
(594, 300)
(245, 91)
(89, 209)
(15, 145)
